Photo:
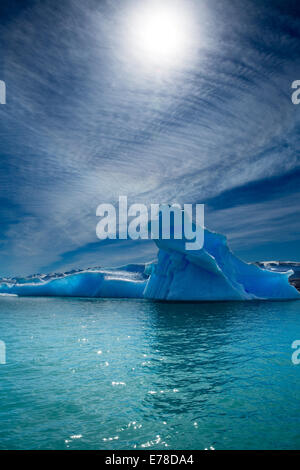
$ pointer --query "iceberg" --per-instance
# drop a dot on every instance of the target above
(212, 273)
(126, 282)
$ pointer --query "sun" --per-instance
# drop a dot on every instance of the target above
(160, 33)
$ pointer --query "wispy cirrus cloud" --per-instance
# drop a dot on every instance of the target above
(84, 124)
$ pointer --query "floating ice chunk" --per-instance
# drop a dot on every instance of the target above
(212, 273)
(104, 283)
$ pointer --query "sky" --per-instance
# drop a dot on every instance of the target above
(96, 108)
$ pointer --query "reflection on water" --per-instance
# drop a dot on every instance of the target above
(118, 374)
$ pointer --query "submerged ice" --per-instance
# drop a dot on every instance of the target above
(211, 273)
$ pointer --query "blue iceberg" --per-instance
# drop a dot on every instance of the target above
(126, 282)
(211, 273)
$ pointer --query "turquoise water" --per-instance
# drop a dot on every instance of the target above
(125, 374)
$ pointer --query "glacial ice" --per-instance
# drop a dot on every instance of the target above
(212, 273)
(115, 283)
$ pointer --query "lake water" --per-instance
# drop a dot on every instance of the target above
(125, 374)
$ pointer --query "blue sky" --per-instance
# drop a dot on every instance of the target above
(86, 121)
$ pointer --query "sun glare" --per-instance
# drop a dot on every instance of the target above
(160, 34)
